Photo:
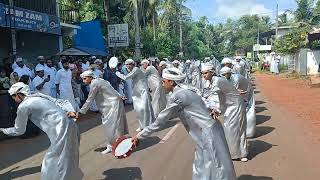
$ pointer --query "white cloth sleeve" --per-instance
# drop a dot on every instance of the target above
(20, 123)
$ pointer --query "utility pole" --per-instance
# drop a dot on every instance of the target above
(180, 27)
(277, 18)
(137, 49)
(12, 27)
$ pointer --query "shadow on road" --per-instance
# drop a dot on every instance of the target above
(263, 130)
(257, 147)
(262, 119)
(260, 102)
(260, 109)
(147, 142)
(256, 92)
(250, 177)
(127, 173)
(20, 173)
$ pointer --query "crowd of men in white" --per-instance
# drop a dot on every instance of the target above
(214, 100)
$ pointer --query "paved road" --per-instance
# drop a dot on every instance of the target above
(281, 151)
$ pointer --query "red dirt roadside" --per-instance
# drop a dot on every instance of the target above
(295, 96)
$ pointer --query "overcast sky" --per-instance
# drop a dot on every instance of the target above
(220, 10)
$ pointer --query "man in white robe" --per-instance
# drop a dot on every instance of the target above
(247, 92)
(140, 96)
(158, 95)
(63, 84)
(110, 104)
(40, 82)
(51, 72)
(231, 105)
(212, 159)
(52, 116)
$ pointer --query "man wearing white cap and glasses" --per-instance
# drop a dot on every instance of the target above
(226, 62)
(212, 158)
(247, 92)
(232, 107)
(158, 95)
(53, 116)
(109, 103)
(140, 96)
(41, 83)
(162, 66)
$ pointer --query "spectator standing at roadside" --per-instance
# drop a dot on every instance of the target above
(41, 82)
(63, 84)
(41, 63)
(51, 72)
(22, 69)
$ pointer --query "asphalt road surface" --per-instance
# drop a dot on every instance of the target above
(283, 149)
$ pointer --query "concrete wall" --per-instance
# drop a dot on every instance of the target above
(30, 45)
(313, 60)
(306, 62)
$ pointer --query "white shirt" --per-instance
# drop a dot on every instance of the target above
(63, 78)
(52, 72)
(23, 71)
(46, 89)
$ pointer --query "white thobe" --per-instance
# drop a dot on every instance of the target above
(61, 162)
(52, 72)
(46, 88)
(158, 95)
(233, 109)
(241, 83)
(110, 104)
(140, 96)
(63, 78)
(212, 159)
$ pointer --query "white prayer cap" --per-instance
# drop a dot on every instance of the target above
(175, 62)
(272, 53)
(39, 68)
(207, 67)
(173, 74)
(145, 61)
(162, 63)
(225, 70)
(40, 57)
(93, 57)
(113, 62)
(226, 61)
(19, 87)
(207, 58)
(87, 73)
(98, 61)
(166, 59)
(19, 59)
(129, 61)
(188, 61)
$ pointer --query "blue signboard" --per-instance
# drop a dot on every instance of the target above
(29, 20)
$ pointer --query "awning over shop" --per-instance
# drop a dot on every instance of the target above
(82, 51)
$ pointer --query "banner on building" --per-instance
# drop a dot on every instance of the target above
(28, 20)
(118, 35)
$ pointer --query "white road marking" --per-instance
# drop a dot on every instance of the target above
(169, 134)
